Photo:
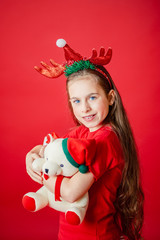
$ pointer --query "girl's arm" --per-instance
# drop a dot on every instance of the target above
(72, 188)
(36, 152)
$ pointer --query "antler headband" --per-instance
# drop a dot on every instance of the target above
(75, 62)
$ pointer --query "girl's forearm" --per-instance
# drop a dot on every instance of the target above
(72, 188)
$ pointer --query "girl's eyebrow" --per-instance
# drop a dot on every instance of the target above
(73, 98)
(86, 96)
(93, 94)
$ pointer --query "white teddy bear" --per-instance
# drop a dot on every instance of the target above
(62, 157)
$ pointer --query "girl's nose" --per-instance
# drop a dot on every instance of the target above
(86, 107)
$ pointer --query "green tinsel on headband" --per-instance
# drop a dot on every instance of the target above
(77, 66)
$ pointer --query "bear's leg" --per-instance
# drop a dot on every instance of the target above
(35, 201)
(75, 215)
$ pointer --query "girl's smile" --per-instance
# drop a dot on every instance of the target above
(89, 102)
(89, 118)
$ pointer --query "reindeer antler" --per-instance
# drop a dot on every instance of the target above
(49, 71)
(102, 59)
(57, 70)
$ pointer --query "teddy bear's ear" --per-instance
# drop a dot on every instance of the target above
(50, 138)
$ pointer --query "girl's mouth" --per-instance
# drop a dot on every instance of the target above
(89, 118)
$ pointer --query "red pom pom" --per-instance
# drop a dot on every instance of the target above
(29, 203)
(72, 218)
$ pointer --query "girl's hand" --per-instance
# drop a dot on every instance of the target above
(30, 157)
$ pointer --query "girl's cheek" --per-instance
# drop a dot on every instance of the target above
(76, 109)
(74, 112)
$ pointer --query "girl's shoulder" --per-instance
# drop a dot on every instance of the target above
(104, 132)
(107, 139)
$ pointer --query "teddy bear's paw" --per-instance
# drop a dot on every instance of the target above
(29, 203)
(72, 218)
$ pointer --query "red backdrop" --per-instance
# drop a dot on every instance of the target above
(32, 106)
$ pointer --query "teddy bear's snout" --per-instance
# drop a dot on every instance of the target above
(51, 168)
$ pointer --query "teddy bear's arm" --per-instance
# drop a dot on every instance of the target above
(37, 164)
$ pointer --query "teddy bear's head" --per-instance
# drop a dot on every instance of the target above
(56, 162)
(66, 157)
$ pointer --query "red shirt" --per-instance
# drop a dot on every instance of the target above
(107, 170)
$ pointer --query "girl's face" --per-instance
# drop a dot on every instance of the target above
(89, 102)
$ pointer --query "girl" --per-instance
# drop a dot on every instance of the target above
(115, 196)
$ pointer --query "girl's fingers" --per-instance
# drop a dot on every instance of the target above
(34, 156)
(41, 152)
(29, 160)
(35, 176)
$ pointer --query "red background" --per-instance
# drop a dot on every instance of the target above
(32, 106)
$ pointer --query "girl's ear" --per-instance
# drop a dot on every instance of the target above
(111, 97)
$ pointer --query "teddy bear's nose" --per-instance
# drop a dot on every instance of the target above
(46, 170)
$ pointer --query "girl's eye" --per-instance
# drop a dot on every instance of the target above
(92, 98)
(76, 101)
(61, 165)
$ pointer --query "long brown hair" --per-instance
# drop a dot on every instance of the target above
(129, 201)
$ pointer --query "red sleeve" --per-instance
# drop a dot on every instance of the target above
(108, 155)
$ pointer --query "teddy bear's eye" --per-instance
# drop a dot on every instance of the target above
(61, 165)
